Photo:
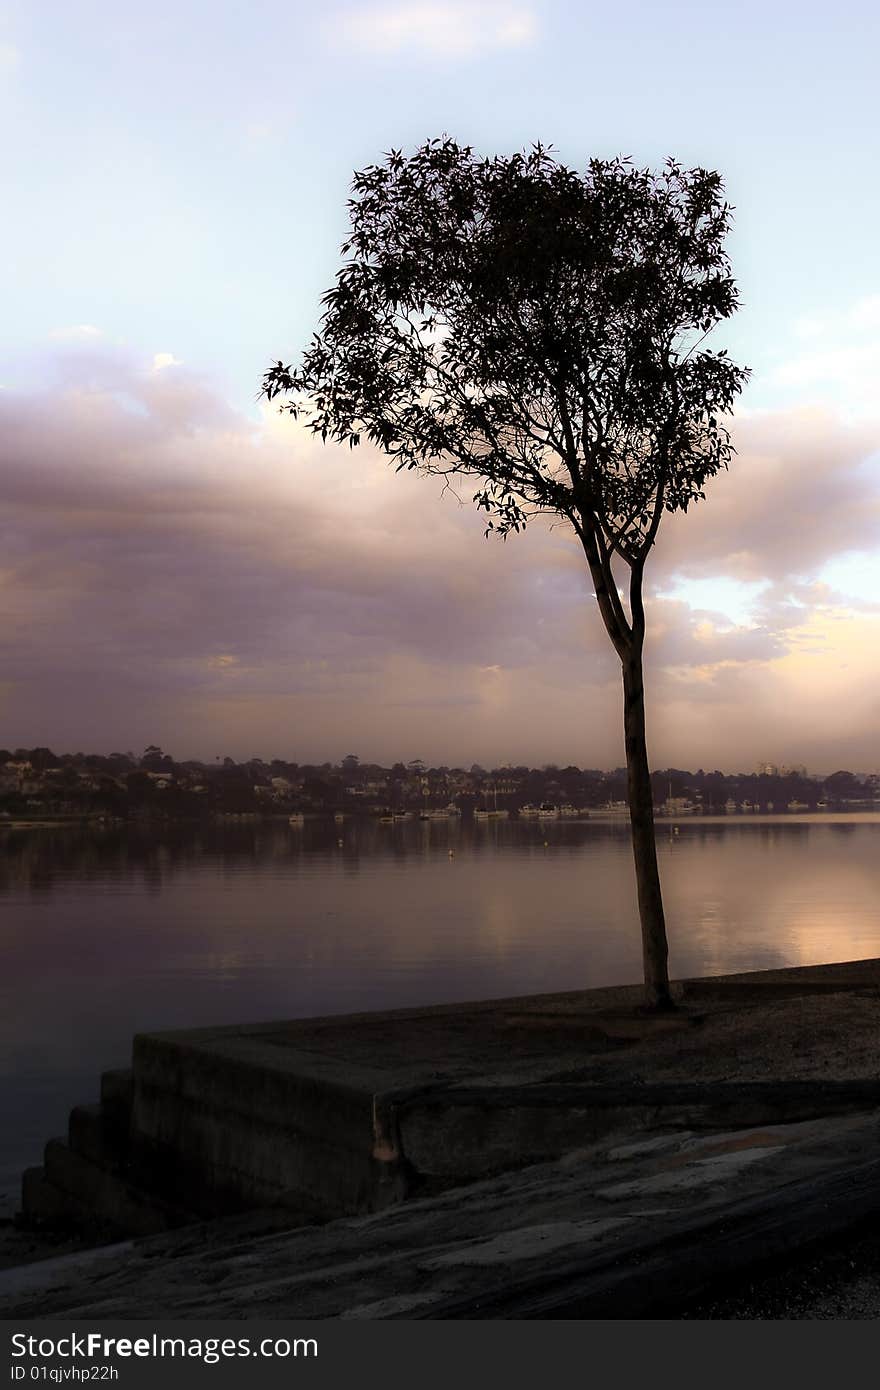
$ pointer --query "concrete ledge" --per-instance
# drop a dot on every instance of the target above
(347, 1115)
(471, 1132)
(241, 1124)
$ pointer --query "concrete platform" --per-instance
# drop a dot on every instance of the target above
(328, 1117)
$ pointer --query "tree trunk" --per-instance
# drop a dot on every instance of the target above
(641, 811)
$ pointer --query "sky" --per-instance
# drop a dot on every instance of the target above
(181, 565)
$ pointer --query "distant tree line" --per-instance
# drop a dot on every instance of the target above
(37, 782)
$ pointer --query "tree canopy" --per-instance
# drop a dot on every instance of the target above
(538, 329)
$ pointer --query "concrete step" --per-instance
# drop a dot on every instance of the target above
(117, 1089)
(44, 1204)
(243, 1122)
(97, 1135)
(109, 1196)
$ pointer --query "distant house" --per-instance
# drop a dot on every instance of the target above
(161, 780)
(13, 775)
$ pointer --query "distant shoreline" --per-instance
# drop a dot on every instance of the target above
(661, 819)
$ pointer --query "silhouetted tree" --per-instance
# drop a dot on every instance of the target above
(140, 788)
(843, 786)
(539, 330)
(154, 760)
(316, 790)
(41, 758)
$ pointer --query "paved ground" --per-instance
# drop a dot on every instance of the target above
(811, 1022)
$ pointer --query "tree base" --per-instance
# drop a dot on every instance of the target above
(663, 1004)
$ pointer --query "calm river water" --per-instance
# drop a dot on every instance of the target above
(109, 932)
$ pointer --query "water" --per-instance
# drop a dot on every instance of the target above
(109, 932)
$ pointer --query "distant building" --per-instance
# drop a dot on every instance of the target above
(14, 775)
(780, 770)
(162, 780)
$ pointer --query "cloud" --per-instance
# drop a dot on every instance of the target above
(77, 332)
(161, 360)
(866, 313)
(450, 29)
(175, 572)
(837, 359)
(802, 488)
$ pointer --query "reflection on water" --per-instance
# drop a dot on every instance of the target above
(109, 932)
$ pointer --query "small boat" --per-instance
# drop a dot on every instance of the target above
(297, 818)
(528, 810)
(547, 811)
(339, 817)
